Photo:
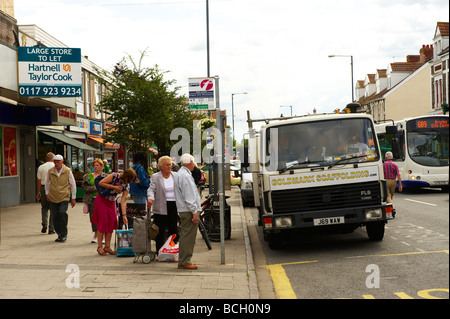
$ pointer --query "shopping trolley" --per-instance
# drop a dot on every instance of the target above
(144, 231)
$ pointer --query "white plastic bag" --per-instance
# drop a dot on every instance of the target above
(169, 251)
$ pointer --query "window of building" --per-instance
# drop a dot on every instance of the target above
(98, 92)
(87, 94)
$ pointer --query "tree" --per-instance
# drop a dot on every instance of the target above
(143, 106)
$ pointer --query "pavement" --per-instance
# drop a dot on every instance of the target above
(34, 266)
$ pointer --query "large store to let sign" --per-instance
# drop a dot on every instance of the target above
(49, 72)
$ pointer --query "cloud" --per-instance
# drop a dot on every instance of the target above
(277, 51)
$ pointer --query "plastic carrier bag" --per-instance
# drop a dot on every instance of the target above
(124, 242)
(169, 251)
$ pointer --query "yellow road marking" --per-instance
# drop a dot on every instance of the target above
(403, 295)
(416, 253)
(426, 293)
(282, 285)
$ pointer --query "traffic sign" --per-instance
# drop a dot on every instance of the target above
(201, 94)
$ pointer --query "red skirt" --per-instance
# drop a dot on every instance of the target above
(104, 215)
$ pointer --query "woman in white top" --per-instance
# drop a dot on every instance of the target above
(161, 197)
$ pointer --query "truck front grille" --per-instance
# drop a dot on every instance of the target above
(324, 198)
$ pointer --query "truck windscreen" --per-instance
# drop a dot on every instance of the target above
(320, 143)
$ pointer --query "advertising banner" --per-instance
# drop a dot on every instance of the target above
(324, 178)
(49, 72)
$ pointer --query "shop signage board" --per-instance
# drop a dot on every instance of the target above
(201, 94)
(49, 72)
(64, 117)
(95, 128)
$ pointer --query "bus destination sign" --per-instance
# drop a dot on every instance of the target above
(429, 123)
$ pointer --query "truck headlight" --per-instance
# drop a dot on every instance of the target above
(283, 221)
(374, 213)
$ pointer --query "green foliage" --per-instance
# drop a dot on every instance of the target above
(144, 106)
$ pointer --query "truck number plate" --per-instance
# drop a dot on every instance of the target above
(329, 221)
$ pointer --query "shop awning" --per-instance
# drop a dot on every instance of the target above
(101, 140)
(68, 140)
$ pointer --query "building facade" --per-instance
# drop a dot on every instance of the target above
(32, 126)
(439, 68)
(416, 87)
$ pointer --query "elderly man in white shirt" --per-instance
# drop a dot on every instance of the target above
(45, 205)
(188, 206)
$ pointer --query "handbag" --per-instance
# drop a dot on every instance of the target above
(104, 192)
(86, 208)
(153, 231)
(107, 193)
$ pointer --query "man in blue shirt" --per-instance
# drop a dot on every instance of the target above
(188, 206)
(138, 191)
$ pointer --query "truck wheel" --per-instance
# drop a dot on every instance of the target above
(274, 241)
(375, 230)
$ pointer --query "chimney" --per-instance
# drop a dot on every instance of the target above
(412, 58)
(426, 52)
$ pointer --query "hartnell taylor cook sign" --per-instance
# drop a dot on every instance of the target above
(49, 72)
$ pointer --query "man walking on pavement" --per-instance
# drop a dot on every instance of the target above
(188, 206)
(391, 173)
(60, 184)
(45, 205)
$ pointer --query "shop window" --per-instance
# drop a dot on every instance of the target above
(77, 156)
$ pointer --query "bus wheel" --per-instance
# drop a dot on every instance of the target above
(375, 230)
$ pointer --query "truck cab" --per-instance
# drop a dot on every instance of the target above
(318, 173)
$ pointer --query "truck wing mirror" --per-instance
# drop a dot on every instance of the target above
(391, 129)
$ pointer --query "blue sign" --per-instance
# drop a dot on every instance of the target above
(95, 128)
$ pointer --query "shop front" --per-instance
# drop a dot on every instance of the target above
(18, 151)
(70, 144)
(73, 151)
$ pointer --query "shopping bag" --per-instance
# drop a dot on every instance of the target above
(169, 251)
(124, 242)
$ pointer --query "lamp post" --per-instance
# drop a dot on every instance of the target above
(351, 64)
(287, 106)
(232, 115)
(207, 38)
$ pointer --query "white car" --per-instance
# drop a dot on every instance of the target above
(235, 180)
(247, 187)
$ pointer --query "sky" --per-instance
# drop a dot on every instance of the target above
(276, 51)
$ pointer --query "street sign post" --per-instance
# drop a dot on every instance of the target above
(49, 72)
(201, 94)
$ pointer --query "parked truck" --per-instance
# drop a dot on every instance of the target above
(318, 173)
